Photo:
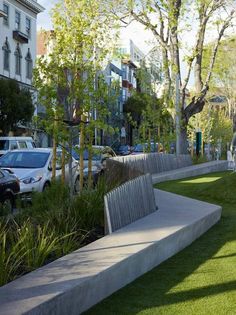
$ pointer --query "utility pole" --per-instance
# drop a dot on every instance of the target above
(177, 113)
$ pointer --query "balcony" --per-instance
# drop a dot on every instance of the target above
(20, 37)
(3, 14)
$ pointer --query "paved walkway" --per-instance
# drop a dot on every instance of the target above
(77, 281)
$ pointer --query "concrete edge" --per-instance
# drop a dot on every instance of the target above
(190, 171)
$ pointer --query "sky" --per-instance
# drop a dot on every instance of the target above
(135, 31)
(43, 19)
(141, 38)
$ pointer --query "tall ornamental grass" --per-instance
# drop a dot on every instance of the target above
(53, 225)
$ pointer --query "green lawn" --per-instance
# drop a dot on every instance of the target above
(199, 280)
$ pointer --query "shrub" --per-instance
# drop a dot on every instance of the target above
(199, 159)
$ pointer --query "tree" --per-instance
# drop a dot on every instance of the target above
(147, 113)
(166, 19)
(82, 39)
(221, 129)
(215, 126)
(15, 105)
(224, 74)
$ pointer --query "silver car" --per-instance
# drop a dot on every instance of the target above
(100, 154)
(34, 168)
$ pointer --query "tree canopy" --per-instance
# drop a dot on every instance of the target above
(68, 78)
(224, 74)
(15, 105)
(171, 22)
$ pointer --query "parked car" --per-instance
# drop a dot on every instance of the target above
(100, 154)
(143, 148)
(9, 188)
(123, 150)
(12, 143)
(34, 168)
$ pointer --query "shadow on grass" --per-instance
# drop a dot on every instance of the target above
(152, 290)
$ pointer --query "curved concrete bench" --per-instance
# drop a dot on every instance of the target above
(76, 282)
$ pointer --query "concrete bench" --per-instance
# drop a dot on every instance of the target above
(190, 171)
(76, 282)
(129, 202)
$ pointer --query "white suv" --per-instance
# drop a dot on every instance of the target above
(34, 170)
(13, 143)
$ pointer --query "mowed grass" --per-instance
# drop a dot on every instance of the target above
(201, 279)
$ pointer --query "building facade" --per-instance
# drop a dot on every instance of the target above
(18, 23)
(18, 39)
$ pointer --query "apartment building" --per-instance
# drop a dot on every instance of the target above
(18, 19)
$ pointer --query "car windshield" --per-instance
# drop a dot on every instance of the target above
(96, 154)
(123, 148)
(4, 144)
(24, 159)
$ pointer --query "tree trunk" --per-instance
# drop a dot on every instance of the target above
(54, 148)
(90, 156)
(63, 163)
(183, 139)
(234, 123)
(54, 158)
(81, 159)
(70, 162)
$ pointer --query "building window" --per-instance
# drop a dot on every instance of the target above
(28, 26)
(124, 72)
(124, 95)
(17, 20)
(18, 57)
(130, 75)
(29, 65)
(6, 11)
(6, 55)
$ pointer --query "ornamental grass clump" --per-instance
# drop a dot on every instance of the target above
(53, 225)
(12, 253)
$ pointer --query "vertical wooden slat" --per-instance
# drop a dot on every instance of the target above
(129, 202)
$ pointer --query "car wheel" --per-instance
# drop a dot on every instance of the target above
(8, 204)
(76, 185)
(46, 186)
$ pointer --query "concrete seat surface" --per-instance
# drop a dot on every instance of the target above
(190, 171)
(74, 283)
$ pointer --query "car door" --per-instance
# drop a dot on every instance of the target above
(7, 184)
